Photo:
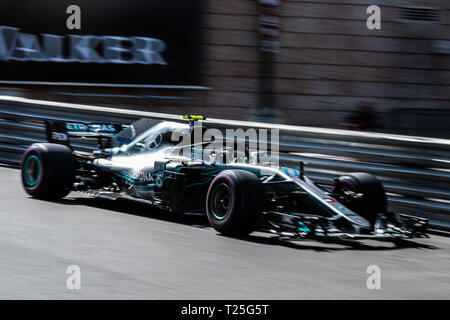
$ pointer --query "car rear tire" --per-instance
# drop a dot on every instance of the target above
(48, 170)
(233, 202)
(373, 200)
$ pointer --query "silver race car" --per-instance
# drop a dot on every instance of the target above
(144, 162)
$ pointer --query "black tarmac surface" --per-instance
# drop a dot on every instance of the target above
(131, 251)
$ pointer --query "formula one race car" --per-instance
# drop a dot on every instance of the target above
(142, 162)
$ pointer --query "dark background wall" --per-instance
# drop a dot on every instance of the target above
(328, 63)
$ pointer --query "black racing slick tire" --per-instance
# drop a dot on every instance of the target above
(233, 202)
(373, 200)
(48, 170)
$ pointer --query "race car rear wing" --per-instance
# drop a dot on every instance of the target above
(61, 131)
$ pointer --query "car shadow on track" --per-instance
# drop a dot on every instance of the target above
(324, 245)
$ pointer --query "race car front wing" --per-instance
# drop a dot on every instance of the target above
(297, 226)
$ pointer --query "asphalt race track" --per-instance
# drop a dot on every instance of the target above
(131, 251)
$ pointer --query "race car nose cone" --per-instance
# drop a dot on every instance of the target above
(362, 223)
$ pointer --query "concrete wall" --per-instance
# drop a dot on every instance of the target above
(329, 60)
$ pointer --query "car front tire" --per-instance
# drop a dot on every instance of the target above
(373, 201)
(233, 202)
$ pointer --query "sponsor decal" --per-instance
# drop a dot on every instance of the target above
(59, 136)
(94, 127)
(144, 176)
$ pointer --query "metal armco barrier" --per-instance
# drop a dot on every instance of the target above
(415, 170)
